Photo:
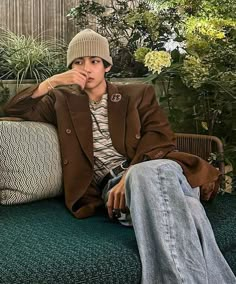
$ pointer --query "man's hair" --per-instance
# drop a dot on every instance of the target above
(105, 63)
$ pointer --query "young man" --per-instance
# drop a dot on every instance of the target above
(116, 143)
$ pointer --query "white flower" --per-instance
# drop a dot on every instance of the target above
(157, 60)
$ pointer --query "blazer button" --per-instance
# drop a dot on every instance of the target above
(65, 162)
(68, 131)
(137, 136)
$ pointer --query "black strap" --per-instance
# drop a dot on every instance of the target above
(113, 173)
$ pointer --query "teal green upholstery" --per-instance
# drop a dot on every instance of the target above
(42, 242)
(222, 215)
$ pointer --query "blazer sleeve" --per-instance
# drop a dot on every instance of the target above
(35, 109)
(157, 138)
(158, 141)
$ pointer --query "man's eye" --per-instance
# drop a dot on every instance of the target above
(78, 62)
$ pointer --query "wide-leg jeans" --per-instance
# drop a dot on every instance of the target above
(174, 236)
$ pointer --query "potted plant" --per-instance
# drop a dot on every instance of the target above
(27, 59)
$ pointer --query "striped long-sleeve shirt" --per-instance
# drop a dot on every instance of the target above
(105, 155)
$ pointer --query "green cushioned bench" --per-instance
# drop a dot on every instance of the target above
(222, 215)
(42, 242)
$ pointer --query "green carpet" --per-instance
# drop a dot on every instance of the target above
(42, 243)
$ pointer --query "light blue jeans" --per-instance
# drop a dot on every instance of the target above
(174, 236)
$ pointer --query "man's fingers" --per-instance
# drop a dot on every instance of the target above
(80, 73)
(122, 202)
(116, 200)
(110, 204)
(116, 203)
(72, 76)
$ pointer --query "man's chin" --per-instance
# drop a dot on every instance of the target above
(90, 84)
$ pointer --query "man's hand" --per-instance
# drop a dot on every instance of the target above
(116, 199)
(69, 77)
(73, 76)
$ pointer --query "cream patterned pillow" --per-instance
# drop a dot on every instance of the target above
(30, 162)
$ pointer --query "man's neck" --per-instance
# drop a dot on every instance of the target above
(96, 94)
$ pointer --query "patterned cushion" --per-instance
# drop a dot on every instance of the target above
(30, 162)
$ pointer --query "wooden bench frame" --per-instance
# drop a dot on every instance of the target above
(202, 146)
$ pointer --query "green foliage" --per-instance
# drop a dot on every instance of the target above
(195, 72)
(200, 8)
(115, 27)
(127, 25)
(145, 22)
(140, 53)
(206, 101)
(112, 24)
(28, 57)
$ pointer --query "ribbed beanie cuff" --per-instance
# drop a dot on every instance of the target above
(88, 43)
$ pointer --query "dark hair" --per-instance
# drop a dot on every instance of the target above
(105, 63)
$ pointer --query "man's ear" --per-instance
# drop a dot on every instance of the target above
(108, 69)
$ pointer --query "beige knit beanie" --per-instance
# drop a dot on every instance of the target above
(88, 43)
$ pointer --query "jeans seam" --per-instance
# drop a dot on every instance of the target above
(169, 228)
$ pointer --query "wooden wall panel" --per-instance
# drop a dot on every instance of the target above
(39, 17)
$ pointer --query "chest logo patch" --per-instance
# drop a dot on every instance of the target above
(115, 98)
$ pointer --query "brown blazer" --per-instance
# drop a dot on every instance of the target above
(139, 130)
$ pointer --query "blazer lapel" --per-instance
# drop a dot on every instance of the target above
(80, 114)
(117, 109)
(78, 105)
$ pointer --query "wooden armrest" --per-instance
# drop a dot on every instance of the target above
(202, 146)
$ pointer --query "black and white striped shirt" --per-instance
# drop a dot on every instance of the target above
(105, 155)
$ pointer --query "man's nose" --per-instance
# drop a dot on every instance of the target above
(87, 66)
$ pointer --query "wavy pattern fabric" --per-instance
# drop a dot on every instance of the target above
(30, 162)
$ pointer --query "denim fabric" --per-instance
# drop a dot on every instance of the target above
(174, 237)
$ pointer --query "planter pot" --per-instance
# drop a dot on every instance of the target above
(14, 88)
(137, 80)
